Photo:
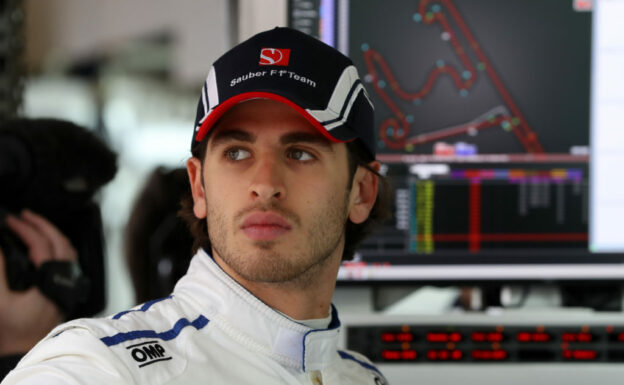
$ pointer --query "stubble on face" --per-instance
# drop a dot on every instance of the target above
(271, 261)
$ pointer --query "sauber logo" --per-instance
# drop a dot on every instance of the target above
(274, 56)
(147, 353)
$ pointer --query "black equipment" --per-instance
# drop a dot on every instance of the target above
(54, 168)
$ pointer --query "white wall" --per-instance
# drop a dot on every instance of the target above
(58, 30)
(256, 16)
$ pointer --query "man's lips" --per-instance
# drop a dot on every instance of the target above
(265, 226)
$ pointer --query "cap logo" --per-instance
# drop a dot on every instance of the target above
(274, 56)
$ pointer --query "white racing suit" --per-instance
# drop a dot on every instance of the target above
(209, 331)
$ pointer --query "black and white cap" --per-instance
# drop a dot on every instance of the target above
(291, 67)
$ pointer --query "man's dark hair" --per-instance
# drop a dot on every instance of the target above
(156, 242)
(354, 233)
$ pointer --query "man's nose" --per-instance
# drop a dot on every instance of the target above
(268, 180)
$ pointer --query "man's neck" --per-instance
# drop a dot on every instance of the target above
(297, 304)
(303, 299)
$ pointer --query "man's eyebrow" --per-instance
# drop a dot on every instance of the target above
(306, 137)
(228, 135)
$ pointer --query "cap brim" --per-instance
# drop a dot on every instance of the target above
(225, 106)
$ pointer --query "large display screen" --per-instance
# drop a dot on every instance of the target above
(498, 129)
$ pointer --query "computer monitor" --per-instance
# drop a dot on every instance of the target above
(499, 129)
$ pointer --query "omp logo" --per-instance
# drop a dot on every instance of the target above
(274, 56)
(147, 353)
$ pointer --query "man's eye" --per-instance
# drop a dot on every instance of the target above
(237, 154)
(300, 155)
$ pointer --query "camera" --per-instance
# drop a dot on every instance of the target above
(54, 168)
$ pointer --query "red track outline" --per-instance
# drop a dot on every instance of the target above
(523, 132)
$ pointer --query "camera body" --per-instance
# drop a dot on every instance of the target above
(54, 168)
(78, 288)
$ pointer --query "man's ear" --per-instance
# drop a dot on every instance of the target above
(363, 193)
(194, 170)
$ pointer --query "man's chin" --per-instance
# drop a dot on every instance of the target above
(267, 267)
(265, 245)
(277, 245)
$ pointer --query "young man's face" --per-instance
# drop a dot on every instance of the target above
(275, 193)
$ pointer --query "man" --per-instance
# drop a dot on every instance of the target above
(283, 182)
